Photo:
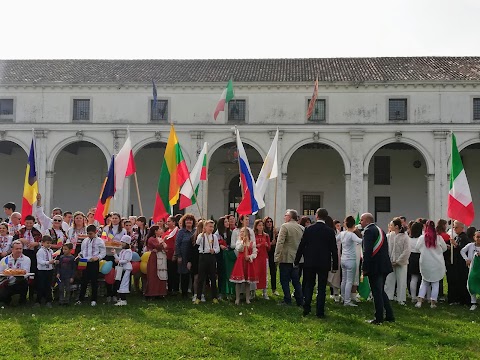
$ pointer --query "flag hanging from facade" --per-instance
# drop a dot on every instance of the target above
(124, 164)
(154, 104)
(460, 205)
(199, 172)
(269, 171)
(107, 193)
(30, 187)
(227, 95)
(249, 203)
(313, 100)
(173, 174)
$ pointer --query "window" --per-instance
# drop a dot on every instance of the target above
(382, 205)
(237, 110)
(310, 204)
(81, 109)
(476, 109)
(6, 109)
(160, 113)
(381, 170)
(397, 109)
(319, 111)
(234, 195)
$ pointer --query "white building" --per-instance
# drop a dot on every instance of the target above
(378, 141)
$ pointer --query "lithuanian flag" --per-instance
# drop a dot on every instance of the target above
(173, 174)
(30, 188)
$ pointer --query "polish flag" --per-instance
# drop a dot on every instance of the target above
(124, 164)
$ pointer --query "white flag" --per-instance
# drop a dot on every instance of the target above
(269, 171)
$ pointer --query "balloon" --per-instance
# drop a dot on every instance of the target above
(143, 267)
(136, 267)
(145, 257)
(136, 257)
(107, 267)
(110, 277)
(102, 262)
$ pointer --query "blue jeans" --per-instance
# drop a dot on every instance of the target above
(289, 273)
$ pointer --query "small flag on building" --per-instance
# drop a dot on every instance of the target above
(227, 95)
(313, 100)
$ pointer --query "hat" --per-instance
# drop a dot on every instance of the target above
(126, 239)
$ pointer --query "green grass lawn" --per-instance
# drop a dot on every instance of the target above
(175, 329)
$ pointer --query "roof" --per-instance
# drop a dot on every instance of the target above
(382, 69)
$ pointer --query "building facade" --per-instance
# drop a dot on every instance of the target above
(378, 140)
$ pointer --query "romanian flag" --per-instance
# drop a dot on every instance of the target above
(173, 174)
(108, 190)
(313, 100)
(30, 188)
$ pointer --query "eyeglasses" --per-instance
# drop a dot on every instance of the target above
(56, 220)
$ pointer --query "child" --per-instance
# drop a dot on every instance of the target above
(66, 273)
(209, 246)
(123, 270)
(45, 264)
(5, 240)
(93, 249)
(469, 252)
(244, 269)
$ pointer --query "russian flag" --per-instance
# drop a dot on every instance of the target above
(30, 187)
(108, 191)
(249, 203)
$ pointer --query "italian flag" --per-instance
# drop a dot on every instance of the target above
(227, 95)
(173, 174)
(198, 174)
(460, 205)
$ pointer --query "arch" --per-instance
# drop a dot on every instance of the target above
(253, 144)
(417, 146)
(466, 144)
(152, 140)
(61, 145)
(18, 142)
(333, 145)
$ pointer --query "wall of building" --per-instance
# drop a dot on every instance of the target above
(12, 176)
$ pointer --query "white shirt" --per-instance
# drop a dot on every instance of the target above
(117, 235)
(413, 244)
(469, 251)
(12, 229)
(44, 256)
(432, 263)
(93, 248)
(124, 259)
(72, 235)
(5, 243)
(8, 262)
(204, 241)
(46, 221)
(349, 244)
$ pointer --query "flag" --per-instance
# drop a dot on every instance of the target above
(173, 174)
(199, 172)
(227, 95)
(460, 205)
(311, 105)
(107, 193)
(30, 187)
(357, 220)
(249, 203)
(269, 171)
(154, 104)
(124, 164)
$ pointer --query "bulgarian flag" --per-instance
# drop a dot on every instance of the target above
(460, 205)
(30, 186)
(173, 174)
(198, 174)
(227, 95)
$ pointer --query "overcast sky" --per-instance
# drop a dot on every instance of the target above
(185, 29)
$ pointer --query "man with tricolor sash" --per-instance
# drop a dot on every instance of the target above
(376, 265)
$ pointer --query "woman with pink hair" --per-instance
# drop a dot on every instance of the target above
(431, 247)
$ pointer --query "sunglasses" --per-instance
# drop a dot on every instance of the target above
(56, 220)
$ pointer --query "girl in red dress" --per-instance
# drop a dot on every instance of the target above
(244, 268)
(156, 285)
(263, 246)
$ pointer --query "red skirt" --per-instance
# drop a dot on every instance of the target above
(154, 286)
(243, 270)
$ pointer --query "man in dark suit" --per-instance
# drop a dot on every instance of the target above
(376, 265)
(319, 250)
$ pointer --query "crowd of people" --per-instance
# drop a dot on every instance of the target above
(59, 257)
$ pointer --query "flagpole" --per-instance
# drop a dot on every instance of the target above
(275, 203)
(451, 238)
(206, 182)
(138, 194)
(238, 160)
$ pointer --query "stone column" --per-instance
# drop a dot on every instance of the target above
(439, 193)
(356, 199)
(431, 196)
(41, 163)
(121, 200)
(47, 197)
